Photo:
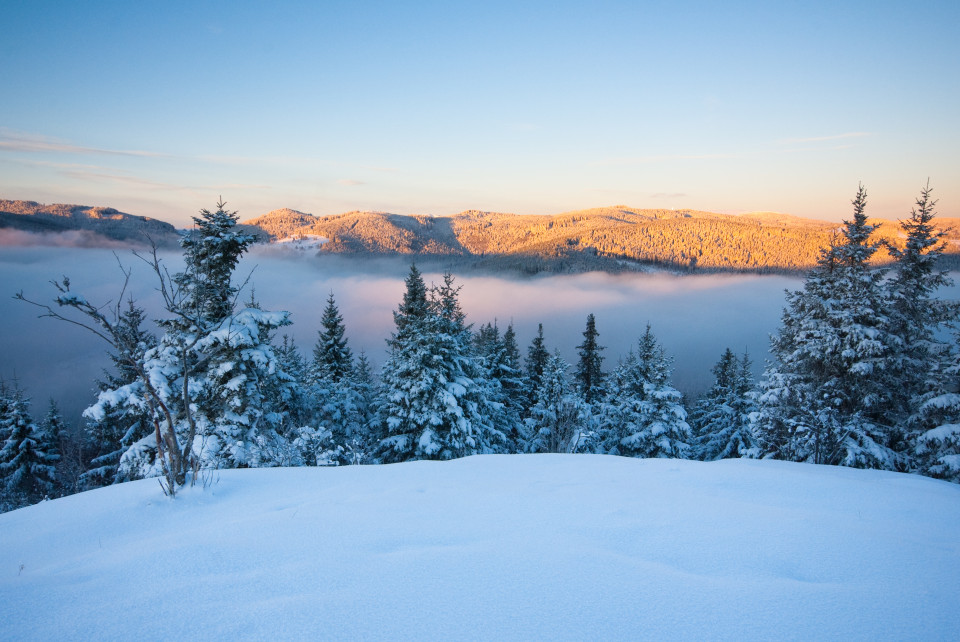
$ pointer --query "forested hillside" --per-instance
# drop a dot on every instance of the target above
(613, 238)
(604, 239)
(35, 217)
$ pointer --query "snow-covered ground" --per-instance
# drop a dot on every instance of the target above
(493, 547)
(307, 242)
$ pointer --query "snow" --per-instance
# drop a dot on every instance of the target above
(493, 547)
(306, 242)
(941, 433)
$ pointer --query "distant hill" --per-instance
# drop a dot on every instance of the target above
(104, 222)
(609, 238)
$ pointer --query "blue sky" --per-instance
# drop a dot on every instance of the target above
(434, 108)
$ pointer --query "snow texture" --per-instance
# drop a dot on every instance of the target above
(500, 547)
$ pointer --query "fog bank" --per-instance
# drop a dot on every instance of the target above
(695, 317)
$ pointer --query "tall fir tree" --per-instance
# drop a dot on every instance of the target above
(339, 403)
(332, 357)
(926, 366)
(827, 398)
(433, 403)
(536, 361)
(589, 375)
(211, 251)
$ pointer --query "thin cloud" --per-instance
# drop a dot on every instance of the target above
(104, 175)
(668, 195)
(349, 182)
(118, 178)
(18, 142)
(821, 139)
(639, 160)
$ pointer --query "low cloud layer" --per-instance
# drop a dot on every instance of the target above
(695, 317)
(70, 238)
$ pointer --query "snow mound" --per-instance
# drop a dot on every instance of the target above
(493, 547)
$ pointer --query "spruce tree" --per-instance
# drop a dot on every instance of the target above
(211, 250)
(721, 419)
(363, 444)
(557, 418)
(826, 398)
(295, 402)
(340, 406)
(122, 425)
(332, 358)
(27, 466)
(644, 415)
(433, 403)
(511, 351)
(589, 375)
(505, 385)
(206, 386)
(58, 439)
(537, 357)
(925, 370)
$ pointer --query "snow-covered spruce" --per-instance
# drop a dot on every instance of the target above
(827, 396)
(721, 419)
(558, 418)
(432, 403)
(643, 415)
(27, 454)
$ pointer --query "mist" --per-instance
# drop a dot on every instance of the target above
(694, 317)
(10, 237)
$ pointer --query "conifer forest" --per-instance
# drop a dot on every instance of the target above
(863, 372)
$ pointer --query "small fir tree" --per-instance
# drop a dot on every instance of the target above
(721, 419)
(589, 375)
(505, 385)
(122, 425)
(556, 420)
(69, 467)
(27, 467)
(644, 414)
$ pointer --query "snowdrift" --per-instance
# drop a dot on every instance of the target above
(493, 547)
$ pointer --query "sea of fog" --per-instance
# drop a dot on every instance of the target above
(694, 317)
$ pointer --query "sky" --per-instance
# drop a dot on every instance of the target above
(159, 109)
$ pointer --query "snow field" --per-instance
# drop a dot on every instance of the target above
(493, 547)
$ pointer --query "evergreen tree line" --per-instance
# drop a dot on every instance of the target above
(862, 374)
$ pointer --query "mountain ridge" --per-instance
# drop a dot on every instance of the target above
(613, 238)
(105, 222)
